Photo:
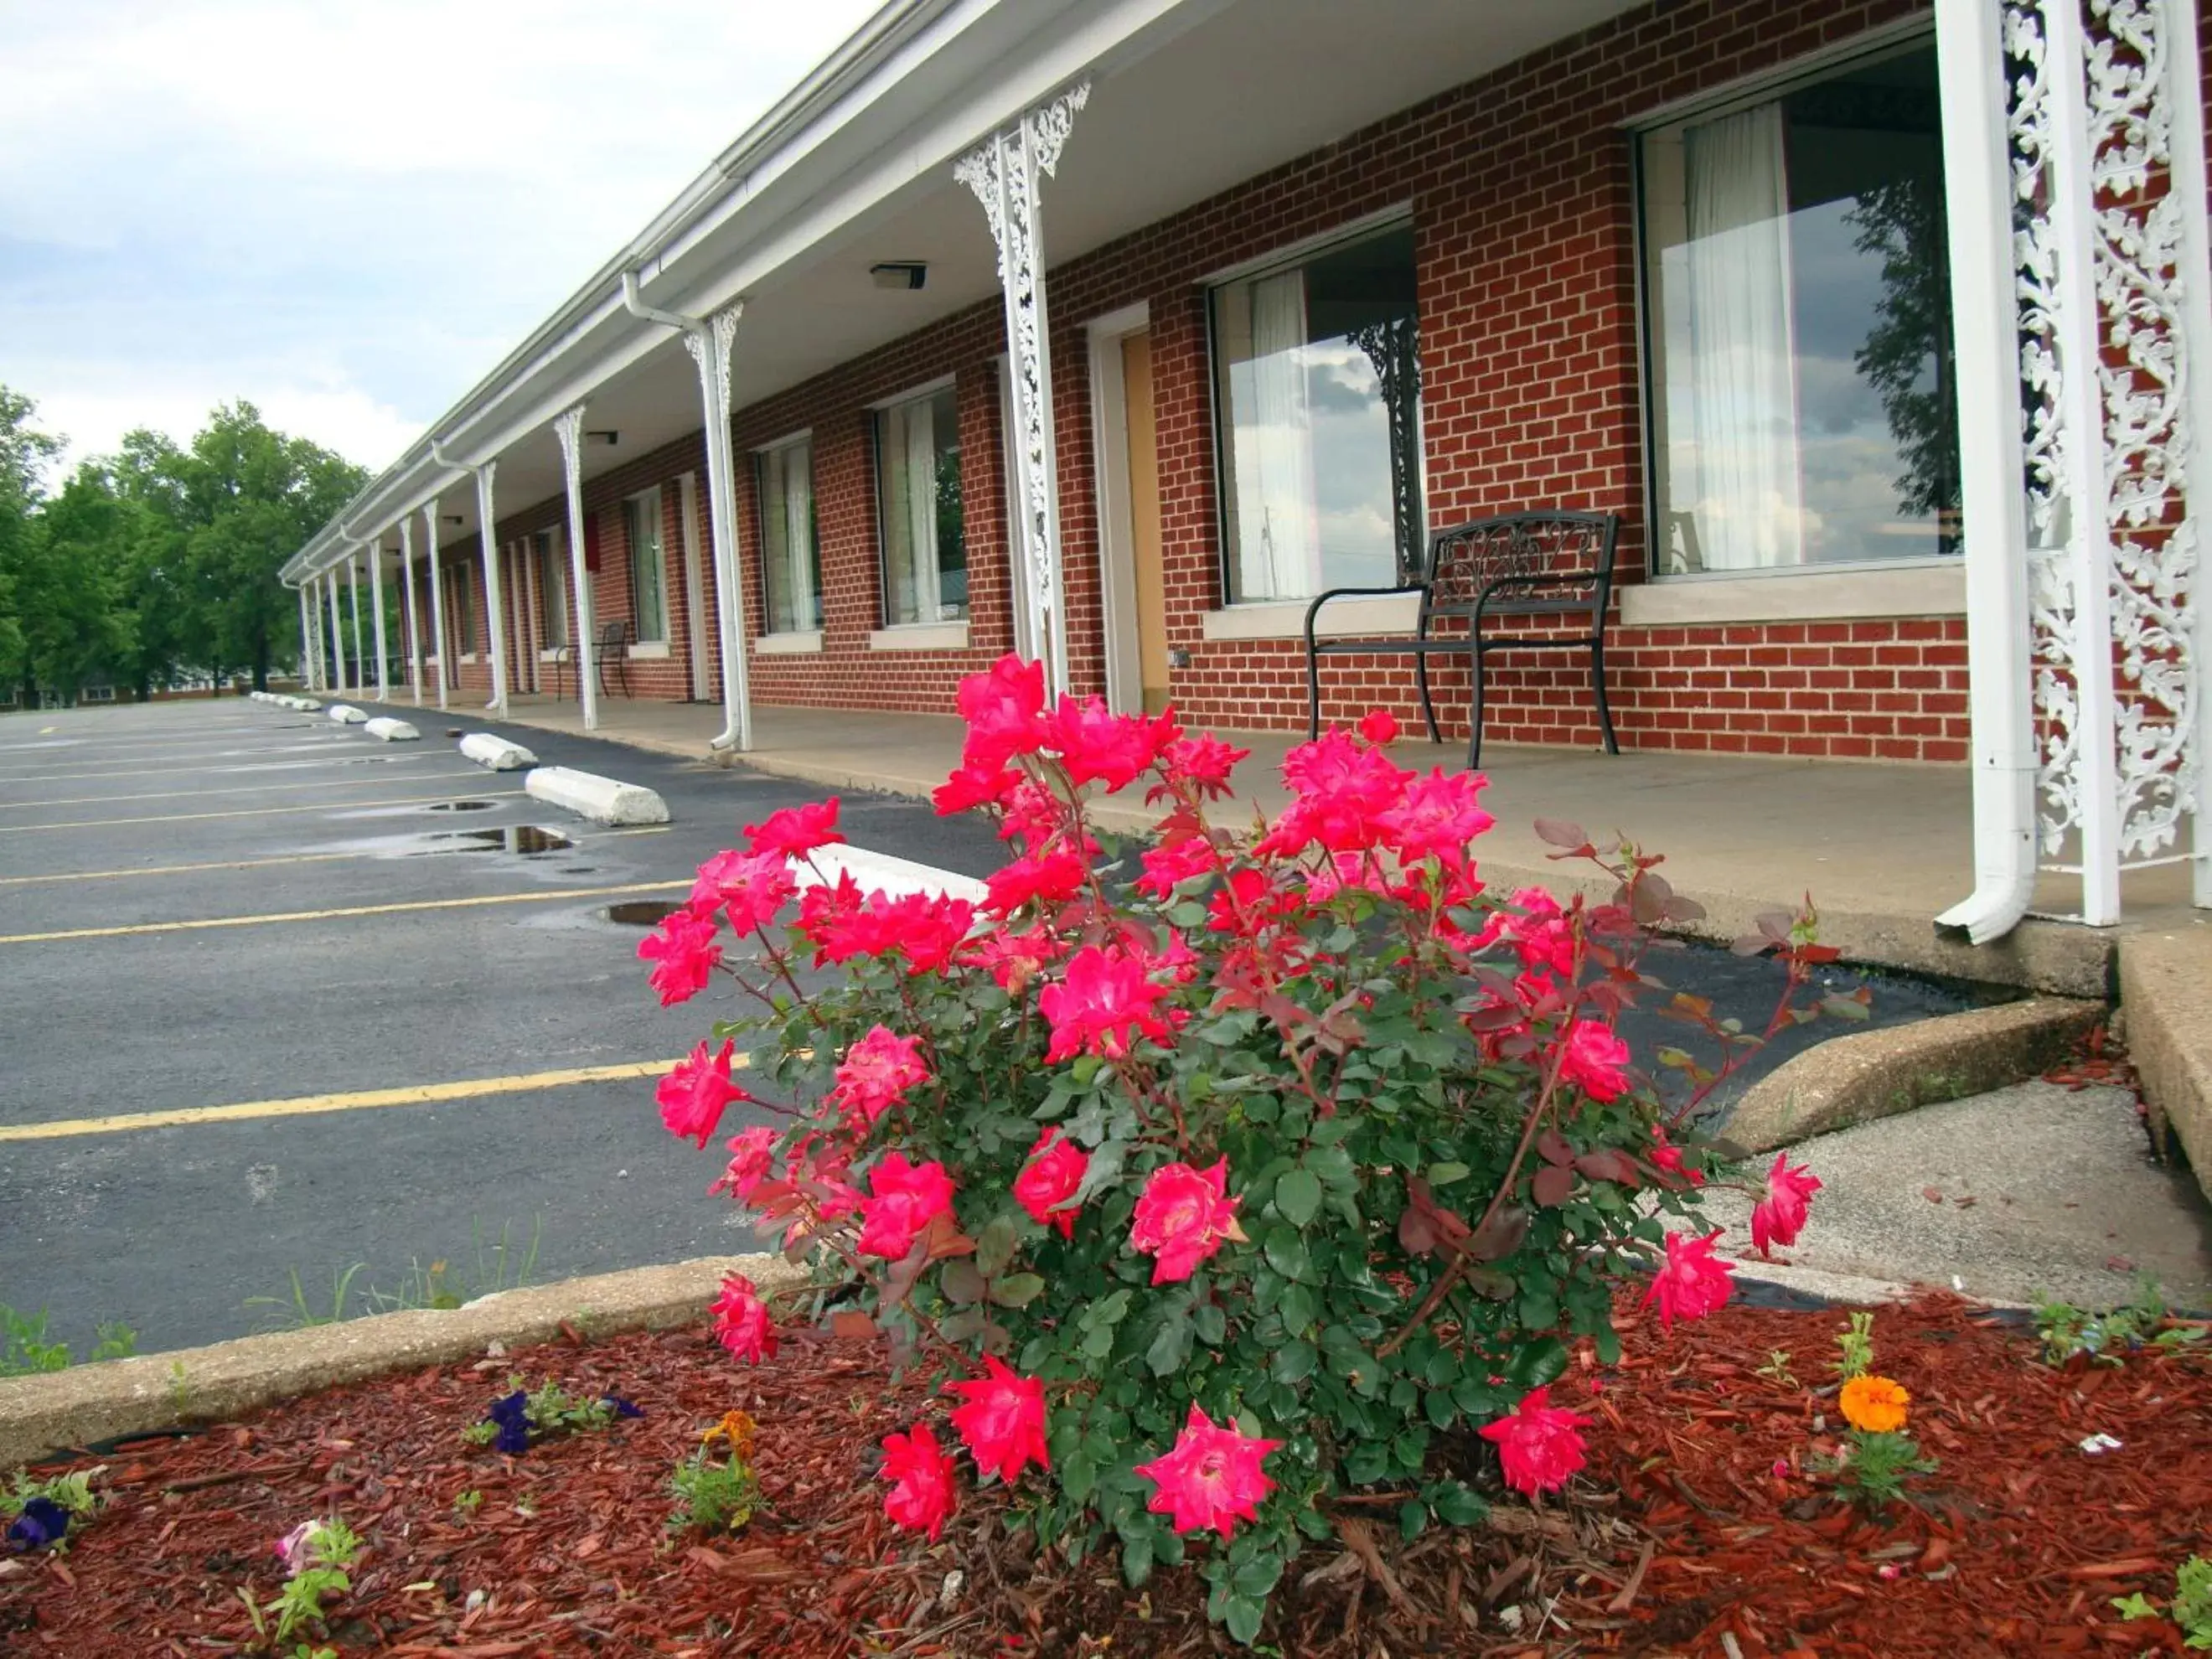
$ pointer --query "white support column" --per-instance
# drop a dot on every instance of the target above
(338, 631)
(1985, 347)
(709, 345)
(495, 605)
(527, 649)
(307, 642)
(438, 602)
(376, 610)
(694, 597)
(1005, 173)
(569, 428)
(360, 653)
(2184, 72)
(407, 608)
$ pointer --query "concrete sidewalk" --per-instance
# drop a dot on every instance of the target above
(1881, 849)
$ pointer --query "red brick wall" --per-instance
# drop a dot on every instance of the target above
(1520, 190)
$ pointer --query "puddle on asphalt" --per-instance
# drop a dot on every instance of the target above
(641, 913)
(461, 806)
(528, 840)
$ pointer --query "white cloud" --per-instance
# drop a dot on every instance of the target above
(344, 214)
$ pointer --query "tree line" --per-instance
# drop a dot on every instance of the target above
(156, 565)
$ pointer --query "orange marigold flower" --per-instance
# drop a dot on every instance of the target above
(1875, 1404)
(738, 1428)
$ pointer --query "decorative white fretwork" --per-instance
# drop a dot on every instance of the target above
(1005, 172)
(2109, 250)
(710, 345)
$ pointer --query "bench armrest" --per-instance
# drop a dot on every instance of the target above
(1314, 610)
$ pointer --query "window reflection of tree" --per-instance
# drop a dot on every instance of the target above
(951, 546)
(1905, 355)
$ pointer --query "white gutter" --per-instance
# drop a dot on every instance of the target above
(1978, 181)
(709, 350)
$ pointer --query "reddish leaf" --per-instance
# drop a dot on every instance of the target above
(1500, 1235)
(1553, 1148)
(1560, 833)
(1553, 1186)
(1417, 1232)
(1609, 1164)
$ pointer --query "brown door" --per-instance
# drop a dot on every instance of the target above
(1145, 521)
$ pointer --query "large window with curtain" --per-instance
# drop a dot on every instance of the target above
(649, 590)
(1798, 327)
(918, 488)
(1318, 396)
(552, 587)
(791, 564)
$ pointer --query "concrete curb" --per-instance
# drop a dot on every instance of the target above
(495, 753)
(2164, 978)
(602, 800)
(889, 873)
(224, 1381)
(391, 730)
(346, 714)
(1871, 1074)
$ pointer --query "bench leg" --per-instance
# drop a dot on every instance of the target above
(1313, 695)
(1428, 706)
(1598, 685)
(1474, 714)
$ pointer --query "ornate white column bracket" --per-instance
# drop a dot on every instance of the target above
(494, 606)
(2115, 330)
(569, 428)
(1005, 172)
(376, 611)
(429, 510)
(407, 608)
(709, 345)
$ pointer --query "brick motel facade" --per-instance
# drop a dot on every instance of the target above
(1321, 281)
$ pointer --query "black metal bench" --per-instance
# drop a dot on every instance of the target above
(1520, 565)
(613, 646)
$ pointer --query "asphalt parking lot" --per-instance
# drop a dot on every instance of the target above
(284, 998)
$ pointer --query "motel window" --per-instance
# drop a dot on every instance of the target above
(918, 501)
(552, 587)
(648, 593)
(1316, 387)
(1799, 326)
(791, 559)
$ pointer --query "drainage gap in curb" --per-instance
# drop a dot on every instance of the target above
(641, 913)
(461, 806)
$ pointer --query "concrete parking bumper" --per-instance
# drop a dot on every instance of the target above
(602, 800)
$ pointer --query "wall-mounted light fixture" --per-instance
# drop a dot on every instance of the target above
(605, 435)
(899, 274)
(452, 518)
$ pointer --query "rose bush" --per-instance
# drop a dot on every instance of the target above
(1217, 1177)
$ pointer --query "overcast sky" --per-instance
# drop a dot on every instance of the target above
(347, 212)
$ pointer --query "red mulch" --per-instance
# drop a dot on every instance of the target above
(1682, 1540)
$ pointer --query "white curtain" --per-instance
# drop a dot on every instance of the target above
(1749, 509)
(798, 535)
(910, 452)
(1279, 528)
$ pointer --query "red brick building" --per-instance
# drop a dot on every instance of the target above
(1319, 282)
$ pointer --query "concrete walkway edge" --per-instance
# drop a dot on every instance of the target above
(2166, 988)
(151, 1393)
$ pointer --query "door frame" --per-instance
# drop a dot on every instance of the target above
(1117, 535)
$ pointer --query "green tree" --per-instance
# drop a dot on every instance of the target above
(75, 617)
(25, 454)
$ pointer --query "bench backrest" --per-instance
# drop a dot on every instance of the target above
(612, 635)
(1573, 552)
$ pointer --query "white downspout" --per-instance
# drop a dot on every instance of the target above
(359, 655)
(1985, 311)
(407, 605)
(709, 352)
(306, 675)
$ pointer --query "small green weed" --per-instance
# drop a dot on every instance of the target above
(2066, 1330)
(71, 1493)
(1777, 1368)
(2191, 1611)
(296, 1312)
(466, 1505)
(712, 1495)
(1855, 1348)
(500, 1263)
(24, 1351)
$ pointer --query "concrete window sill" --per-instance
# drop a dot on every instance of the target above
(788, 645)
(649, 651)
(1286, 619)
(467, 658)
(553, 654)
(920, 636)
(1920, 590)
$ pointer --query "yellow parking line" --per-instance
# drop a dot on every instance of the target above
(582, 842)
(194, 795)
(250, 812)
(546, 894)
(420, 1093)
(352, 755)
